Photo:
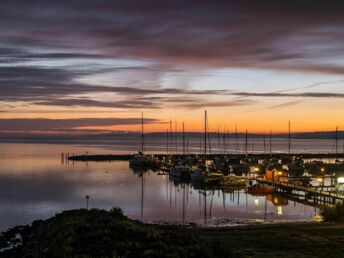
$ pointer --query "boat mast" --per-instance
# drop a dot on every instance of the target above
(209, 137)
(227, 149)
(183, 139)
(142, 135)
(270, 142)
(218, 138)
(224, 141)
(167, 150)
(236, 139)
(289, 138)
(336, 142)
(264, 144)
(205, 137)
(175, 136)
(246, 143)
(171, 138)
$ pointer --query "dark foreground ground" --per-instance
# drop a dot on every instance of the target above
(100, 233)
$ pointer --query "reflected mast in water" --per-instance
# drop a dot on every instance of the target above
(142, 192)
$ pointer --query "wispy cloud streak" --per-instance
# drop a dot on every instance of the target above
(31, 124)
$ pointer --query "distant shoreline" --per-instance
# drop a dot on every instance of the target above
(113, 157)
(80, 136)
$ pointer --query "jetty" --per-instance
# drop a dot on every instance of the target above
(310, 191)
(106, 157)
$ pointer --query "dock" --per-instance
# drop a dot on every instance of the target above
(312, 191)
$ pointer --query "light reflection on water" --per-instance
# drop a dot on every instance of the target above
(35, 184)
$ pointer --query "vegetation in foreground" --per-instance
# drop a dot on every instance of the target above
(100, 233)
(335, 213)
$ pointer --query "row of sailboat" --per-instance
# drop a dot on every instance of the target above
(187, 168)
(227, 171)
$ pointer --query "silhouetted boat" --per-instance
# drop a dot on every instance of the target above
(259, 189)
(234, 181)
(198, 176)
(141, 160)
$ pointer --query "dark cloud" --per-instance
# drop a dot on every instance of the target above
(30, 83)
(208, 104)
(29, 124)
(13, 55)
(280, 35)
(304, 95)
(224, 33)
(58, 87)
(132, 103)
(50, 86)
(313, 85)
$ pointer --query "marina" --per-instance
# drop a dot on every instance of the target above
(171, 129)
(313, 175)
(36, 184)
(252, 171)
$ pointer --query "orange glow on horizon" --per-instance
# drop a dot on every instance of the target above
(305, 117)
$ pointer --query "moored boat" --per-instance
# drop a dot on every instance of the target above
(197, 176)
(141, 160)
(234, 181)
(259, 189)
(176, 171)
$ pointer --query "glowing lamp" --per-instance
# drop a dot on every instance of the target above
(279, 210)
(340, 180)
(322, 169)
(256, 202)
(318, 218)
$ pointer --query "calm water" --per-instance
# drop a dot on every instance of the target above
(36, 184)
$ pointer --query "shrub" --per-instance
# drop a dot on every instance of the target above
(335, 213)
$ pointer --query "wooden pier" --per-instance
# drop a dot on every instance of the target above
(289, 188)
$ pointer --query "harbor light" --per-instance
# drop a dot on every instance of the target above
(318, 218)
(322, 169)
(320, 179)
(279, 210)
(340, 180)
(256, 202)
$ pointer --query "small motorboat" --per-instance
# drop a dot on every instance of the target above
(259, 189)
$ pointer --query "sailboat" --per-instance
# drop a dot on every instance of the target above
(182, 168)
(140, 160)
(203, 175)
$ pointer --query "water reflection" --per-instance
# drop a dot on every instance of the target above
(36, 182)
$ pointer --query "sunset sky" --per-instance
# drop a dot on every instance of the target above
(98, 64)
